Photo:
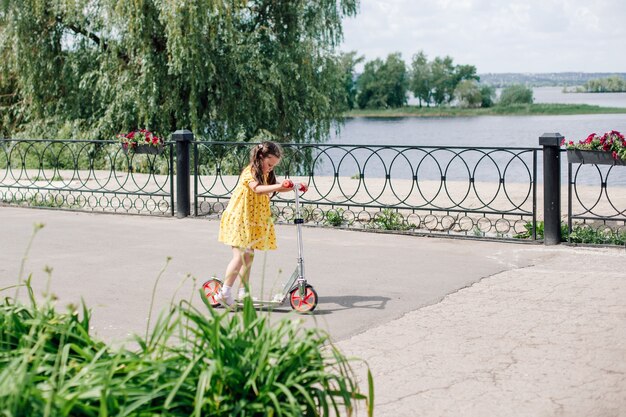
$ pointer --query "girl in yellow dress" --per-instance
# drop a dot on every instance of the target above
(246, 223)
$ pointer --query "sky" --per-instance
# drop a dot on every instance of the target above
(495, 36)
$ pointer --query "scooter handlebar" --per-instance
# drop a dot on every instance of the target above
(302, 187)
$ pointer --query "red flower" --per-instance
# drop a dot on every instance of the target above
(139, 137)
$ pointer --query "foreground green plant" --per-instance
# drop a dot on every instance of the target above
(193, 362)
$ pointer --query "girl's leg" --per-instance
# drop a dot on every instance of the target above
(225, 297)
(239, 266)
(244, 271)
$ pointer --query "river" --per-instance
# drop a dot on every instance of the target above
(490, 131)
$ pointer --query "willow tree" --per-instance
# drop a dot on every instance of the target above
(222, 68)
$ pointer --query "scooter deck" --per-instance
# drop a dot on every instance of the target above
(276, 300)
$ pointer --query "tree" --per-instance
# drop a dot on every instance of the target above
(443, 80)
(516, 94)
(396, 80)
(468, 93)
(612, 84)
(421, 78)
(488, 95)
(348, 63)
(383, 84)
(465, 72)
(222, 68)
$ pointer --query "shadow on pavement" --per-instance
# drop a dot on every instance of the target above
(346, 302)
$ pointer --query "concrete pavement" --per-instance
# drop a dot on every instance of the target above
(448, 327)
(544, 340)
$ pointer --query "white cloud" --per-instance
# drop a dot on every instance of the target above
(513, 36)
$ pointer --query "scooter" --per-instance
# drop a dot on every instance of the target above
(302, 296)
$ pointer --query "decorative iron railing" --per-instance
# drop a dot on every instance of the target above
(459, 191)
(482, 192)
(596, 203)
(85, 175)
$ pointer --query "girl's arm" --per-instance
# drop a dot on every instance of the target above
(267, 189)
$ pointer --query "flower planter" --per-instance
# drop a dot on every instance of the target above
(145, 149)
(577, 156)
(149, 149)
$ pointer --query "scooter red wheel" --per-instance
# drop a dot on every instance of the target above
(303, 304)
(211, 288)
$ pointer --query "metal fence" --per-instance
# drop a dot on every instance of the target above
(483, 192)
(461, 191)
(85, 175)
(596, 206)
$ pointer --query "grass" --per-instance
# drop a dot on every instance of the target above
(513, 110)
(193, 362)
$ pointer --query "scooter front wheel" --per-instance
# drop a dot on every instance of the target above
(211, 288)
(303, 303)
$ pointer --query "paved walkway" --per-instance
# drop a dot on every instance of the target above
(546, 340)
(448, 327)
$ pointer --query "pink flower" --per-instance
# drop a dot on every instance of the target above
(615, 155)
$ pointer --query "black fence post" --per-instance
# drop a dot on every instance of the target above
(183, 138)
(551, 143)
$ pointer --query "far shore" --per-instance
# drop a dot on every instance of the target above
(556, 109)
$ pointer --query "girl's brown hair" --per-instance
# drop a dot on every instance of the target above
(257, 153)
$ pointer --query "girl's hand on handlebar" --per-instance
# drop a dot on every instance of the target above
(287, 184)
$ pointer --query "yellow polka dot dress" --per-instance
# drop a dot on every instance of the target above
(247, 221)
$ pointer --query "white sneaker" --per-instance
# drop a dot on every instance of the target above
(225, 300)
(278, 298)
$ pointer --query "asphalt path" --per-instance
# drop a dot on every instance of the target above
(112, 261)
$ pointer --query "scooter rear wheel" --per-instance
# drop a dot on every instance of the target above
(303, 304)
(211, 288)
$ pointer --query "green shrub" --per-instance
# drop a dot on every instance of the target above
(194, 362)
(580, 234)
(516, 94)
(388, 219)
(334, 217)
(598, 235)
